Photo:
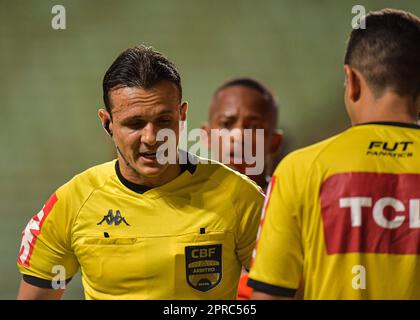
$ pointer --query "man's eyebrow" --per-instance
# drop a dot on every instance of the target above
(227, 116)
(142, 118)
(131, 119)
(256, 117)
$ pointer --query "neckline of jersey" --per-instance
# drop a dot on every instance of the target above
(138, 188)
(392, 123)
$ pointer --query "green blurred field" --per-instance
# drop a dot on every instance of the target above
(51, 81)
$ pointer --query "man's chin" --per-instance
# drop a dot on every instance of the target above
(150, 171)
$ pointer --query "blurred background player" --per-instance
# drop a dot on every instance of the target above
(107, 221)
(245, 103)
(344, 214)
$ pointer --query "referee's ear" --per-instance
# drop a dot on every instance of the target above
(105, 118)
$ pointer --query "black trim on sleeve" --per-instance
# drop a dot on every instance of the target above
(270, 289)
(40, 283)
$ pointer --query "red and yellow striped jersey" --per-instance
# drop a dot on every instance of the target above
(344, 216)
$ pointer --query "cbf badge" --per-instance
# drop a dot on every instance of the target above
(203, 266)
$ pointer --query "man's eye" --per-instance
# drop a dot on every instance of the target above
(225, 124)
(255, 126)
(136, 124)
(164, 121)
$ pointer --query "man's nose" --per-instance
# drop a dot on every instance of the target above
(237, 130)
(149, 134)
(236, 137)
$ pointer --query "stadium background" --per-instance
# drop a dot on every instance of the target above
(50, 86)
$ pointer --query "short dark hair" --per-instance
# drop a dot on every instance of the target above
(258, 86)
(387, 52)
(141, 67)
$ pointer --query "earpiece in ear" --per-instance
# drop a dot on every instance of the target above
(106, 127)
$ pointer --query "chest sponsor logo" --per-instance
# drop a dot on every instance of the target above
(203, 266)
(371, 213)
(110, 219)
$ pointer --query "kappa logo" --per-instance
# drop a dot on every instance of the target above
(203, 266)
(111, 219)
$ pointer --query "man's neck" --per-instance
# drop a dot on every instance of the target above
(389, 108)
(169, 173)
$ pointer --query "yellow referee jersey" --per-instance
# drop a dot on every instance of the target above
(187, 239)
(344, 216)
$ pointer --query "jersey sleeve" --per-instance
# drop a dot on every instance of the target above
(249, 207)
(278, 264)
(46, 243)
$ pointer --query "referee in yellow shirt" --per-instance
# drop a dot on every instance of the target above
(343, 215)
(138, 228)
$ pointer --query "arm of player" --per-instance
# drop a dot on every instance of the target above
(46, 260)
(256, 295)
(30, 292)
(278, 266)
